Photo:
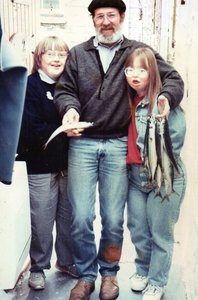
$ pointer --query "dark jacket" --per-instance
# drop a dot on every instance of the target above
(40, 119)
(102, 97)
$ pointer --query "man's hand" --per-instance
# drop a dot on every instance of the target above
(72, 116)
(163, 107)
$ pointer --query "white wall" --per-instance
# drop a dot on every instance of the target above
(186, 62)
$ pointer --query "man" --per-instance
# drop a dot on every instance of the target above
(93, 89)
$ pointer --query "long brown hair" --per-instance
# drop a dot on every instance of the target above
(47, 43)
(149, 63)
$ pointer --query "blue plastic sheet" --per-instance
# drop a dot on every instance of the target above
(13, 80)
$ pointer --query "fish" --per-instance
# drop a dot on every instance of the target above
(159, 160)
(166, 160)
(167, 175)
(159, 151)
(168, 145)
(159, 180)
(150, 154)
(68, 126)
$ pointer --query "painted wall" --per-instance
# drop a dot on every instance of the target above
(186, 61)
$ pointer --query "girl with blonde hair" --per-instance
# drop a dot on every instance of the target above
(47, 168)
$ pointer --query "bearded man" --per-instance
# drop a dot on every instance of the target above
(93, 89)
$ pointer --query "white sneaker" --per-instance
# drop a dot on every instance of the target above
(138, 282)
(153, 292)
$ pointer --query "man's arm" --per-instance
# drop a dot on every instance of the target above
(172, 83)
(66, 91)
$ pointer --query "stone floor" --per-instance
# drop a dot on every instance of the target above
(59, 285)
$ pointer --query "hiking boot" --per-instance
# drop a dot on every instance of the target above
(109, 289)
(37, 280)
(82, 290)
(153, 292)
(138, 282)
(69, 270)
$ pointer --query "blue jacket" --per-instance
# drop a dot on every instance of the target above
(13, 80)
(176, 123)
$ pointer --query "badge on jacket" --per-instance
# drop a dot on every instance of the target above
(49, 95)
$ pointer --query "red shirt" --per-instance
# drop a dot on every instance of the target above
(133, 155)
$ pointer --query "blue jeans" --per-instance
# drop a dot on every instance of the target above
(101, 161)
(151, 223)
(49, 204)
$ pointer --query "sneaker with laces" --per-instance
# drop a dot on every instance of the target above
(138, 282)
(37, 280)
(153, 292)
(69, 270)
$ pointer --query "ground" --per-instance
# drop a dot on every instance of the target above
(58, 285)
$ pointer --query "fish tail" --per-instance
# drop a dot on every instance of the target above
(166, 197)
(158, 194)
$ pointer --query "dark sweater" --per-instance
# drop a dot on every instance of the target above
(102, 97)
(40, 119)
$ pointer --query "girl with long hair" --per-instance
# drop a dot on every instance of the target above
(152, 214)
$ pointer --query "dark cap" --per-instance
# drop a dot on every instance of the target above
(119, 4)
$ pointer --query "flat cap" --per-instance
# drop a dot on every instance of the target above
(119, 4)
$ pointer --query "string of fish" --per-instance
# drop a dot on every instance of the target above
(159, 160)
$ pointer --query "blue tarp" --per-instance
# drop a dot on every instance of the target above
(13, 80)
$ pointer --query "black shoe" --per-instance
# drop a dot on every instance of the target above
(69, 270)
(37, 280)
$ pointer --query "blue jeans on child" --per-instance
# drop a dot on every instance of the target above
(151, 223)
(50, 205)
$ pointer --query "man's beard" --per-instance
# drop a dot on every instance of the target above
(110, 39)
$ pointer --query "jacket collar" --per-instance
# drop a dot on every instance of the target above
(89, 45)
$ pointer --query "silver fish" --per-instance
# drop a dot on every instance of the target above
(150, 154)
(166, 160)
(159, 160)
(68, 126)
(159, 180)
(167, 175)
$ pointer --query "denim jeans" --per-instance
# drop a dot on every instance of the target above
(49, 204)
(151, 223)
(101, 161)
